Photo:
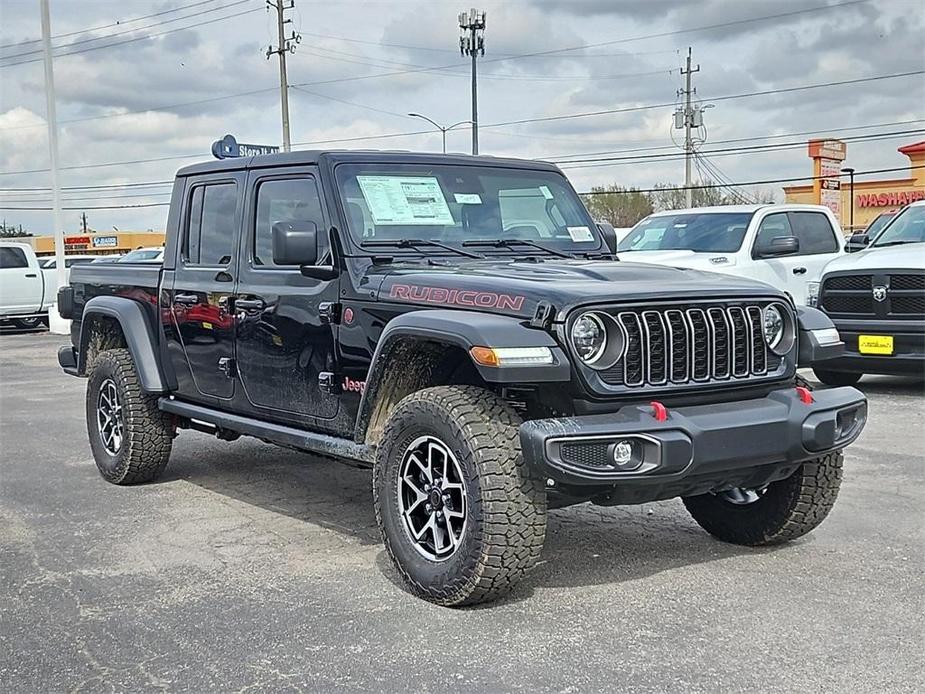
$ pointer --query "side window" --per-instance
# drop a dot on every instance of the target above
(284, 200)
(210, 225)
(11, 257)
(815, 233)
(771, 227)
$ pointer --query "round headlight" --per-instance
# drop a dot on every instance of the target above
(589, 337)
(778, 329)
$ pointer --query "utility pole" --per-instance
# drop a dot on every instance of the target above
(692, 118)
(56, 324)
(83, 222)
(286, 45)
(472, 43)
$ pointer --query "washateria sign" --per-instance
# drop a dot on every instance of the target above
(893, 198)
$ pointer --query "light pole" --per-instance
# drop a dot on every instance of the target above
(443, 129)
(848, 170)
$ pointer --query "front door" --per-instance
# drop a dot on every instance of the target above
(203, 285)
(818, 245)
(22, 285)
(283, 343)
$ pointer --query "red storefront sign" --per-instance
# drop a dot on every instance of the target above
(895, 198)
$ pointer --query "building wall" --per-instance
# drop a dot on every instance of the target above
(872, 197)
(98, 243)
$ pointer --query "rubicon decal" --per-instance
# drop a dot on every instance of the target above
(456, 297)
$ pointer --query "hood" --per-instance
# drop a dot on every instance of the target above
(505, 285)
(910, 256)
(682, 258)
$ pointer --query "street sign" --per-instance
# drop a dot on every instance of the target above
(228, 148)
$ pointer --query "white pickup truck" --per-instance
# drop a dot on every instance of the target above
(25, 293)
(784, 245)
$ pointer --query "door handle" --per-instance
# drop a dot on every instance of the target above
(799, 271)
(249, 304)
(186, 299)
(31, 274)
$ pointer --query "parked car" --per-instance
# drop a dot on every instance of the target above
(49, 266)
(25, 294)
(459, 325)
(154, 254)
(109, 258)
(783, 245)
(876, 298)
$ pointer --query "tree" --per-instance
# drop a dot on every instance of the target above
(668, 196)
(620, 206)
(10, 231)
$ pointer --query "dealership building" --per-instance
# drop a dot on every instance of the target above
(857, 204)
(97, 243)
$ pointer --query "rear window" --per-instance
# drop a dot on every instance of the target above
(210, 224)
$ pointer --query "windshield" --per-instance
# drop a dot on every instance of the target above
(878, 224)
(457, 204)
(141, 254)
(720, 232)
(906, 227)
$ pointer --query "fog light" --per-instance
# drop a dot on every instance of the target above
(624, 455)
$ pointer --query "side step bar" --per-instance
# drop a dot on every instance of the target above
(276, 433)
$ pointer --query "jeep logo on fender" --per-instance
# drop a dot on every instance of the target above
(456, 297)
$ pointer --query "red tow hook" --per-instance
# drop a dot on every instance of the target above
(806, 396)
(659, 411)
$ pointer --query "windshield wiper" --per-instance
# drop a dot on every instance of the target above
(411, 243)
(893, 243)
(509, 243)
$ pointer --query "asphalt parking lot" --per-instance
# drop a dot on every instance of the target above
(253, 567)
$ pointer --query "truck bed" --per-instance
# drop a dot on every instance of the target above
(138, 281)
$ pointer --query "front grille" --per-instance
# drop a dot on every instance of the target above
(852, 296)
(690, 345)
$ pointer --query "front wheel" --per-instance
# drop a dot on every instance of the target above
(462, 518)
(30, 323)
(782, 511)
(129, 436)
(837, 378)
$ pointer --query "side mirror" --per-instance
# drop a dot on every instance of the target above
(857, 242)
(779, 246)
(610, 236)
(295, 243)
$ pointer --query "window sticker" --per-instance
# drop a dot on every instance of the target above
(468, 198)
(405, 200)
(580, 234)
(545, 191)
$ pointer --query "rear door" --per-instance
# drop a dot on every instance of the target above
(818, 245)
(283, 342)
(21, 286)
(203, 284)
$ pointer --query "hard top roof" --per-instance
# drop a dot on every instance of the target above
(309, 157)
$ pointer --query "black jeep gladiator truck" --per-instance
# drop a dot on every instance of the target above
(458, 324)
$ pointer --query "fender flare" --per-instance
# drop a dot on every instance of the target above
(810, 320)
(139, 337)
(462, 329)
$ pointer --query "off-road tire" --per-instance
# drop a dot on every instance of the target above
(837, 378)
(788, 509)
(506, 517)
(148, 432)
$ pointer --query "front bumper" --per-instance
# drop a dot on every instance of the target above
(695, 449)
(908, 356)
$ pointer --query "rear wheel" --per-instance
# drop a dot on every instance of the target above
(461, 517)
(782, 511)
(129, 436)
(837, 378)
(30, 323)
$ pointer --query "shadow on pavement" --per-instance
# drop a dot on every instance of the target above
(585, 545)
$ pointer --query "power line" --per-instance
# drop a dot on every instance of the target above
(141, 38)
(107, 26)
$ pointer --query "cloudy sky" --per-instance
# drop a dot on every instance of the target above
(151, 80)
